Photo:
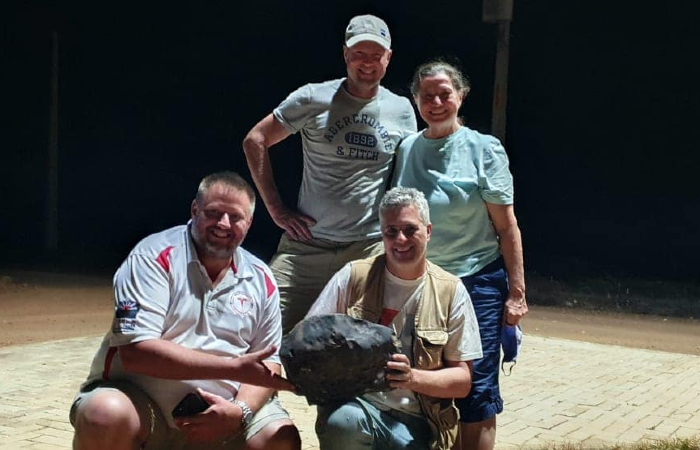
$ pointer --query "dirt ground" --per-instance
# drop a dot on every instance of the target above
(36, 307)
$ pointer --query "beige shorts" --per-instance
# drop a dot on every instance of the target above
(162, 436)
(302, 269)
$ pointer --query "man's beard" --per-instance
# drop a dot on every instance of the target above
(216, 252)
(210, 250)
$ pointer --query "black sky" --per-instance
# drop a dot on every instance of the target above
(601, 118)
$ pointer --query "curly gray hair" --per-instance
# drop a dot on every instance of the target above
(400, 197)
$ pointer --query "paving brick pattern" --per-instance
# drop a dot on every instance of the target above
(560, 391)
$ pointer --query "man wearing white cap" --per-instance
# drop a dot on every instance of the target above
(350, 128)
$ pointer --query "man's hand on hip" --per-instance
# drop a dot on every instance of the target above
(294, 223)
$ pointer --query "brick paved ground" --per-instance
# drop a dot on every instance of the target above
(561, 391)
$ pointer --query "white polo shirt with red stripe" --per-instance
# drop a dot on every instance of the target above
(162, 291)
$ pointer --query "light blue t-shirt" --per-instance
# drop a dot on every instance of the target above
(458, 174)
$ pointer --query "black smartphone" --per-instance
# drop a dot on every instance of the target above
(191, 404)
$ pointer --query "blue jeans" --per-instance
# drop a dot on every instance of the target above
(488, 290)
(358, 424)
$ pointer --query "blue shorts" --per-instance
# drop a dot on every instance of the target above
(488, 290)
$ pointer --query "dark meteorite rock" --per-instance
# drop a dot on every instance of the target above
(334, 357)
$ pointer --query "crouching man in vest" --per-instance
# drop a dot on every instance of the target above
(432, 315)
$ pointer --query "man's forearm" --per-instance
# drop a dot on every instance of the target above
(256, 146)
(255, 396)
(449, 382)
(163, 359)
(261, 171)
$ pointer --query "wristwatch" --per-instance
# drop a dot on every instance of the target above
(247, 412)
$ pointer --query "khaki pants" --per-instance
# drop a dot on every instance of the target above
(302, 269)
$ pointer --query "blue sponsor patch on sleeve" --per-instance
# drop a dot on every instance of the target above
(127, 309)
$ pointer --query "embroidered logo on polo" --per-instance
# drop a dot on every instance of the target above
(241, 303)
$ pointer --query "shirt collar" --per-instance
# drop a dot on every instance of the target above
(240, 266)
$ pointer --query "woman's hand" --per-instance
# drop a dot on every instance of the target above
(515, 310)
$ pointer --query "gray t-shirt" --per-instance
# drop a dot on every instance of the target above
(348, 144)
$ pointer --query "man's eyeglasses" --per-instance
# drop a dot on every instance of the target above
(393, 232)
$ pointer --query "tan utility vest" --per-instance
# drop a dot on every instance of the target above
(366, 288)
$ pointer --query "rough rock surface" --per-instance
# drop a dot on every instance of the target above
(334, 357)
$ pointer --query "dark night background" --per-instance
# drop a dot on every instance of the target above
(601, 118)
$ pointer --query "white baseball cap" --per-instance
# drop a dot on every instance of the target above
(367, 28)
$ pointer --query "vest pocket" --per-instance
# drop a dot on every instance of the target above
(429, 348)
(443, 419)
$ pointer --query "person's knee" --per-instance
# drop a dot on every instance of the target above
(279, 435)
(102, 416)
(347, 420)
(478, 435)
